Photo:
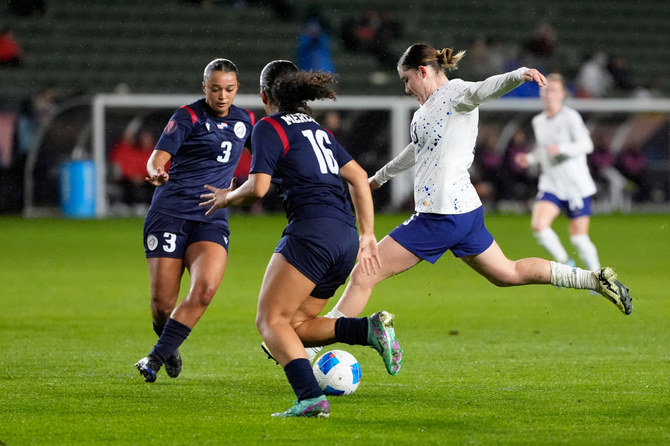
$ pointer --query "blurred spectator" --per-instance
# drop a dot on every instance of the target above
(479, 64)
(632, 163)
(34, 115)
(332, 121)
(621, 73)
(129, 158)
(373, 32)
(11, 54)
(540, 49)
(610, 180)
(502, 56)
(520, 183)
(593, 80)
(489, 176)
(314, 48)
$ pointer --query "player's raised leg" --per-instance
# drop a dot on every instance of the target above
(501, 271)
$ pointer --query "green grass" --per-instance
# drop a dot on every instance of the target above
(482, 365)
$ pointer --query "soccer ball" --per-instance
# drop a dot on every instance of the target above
(337, 372)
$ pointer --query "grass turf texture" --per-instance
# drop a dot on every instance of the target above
(482, 365)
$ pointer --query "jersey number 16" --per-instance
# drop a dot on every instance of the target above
(324, 155)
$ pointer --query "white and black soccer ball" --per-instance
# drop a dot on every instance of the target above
(337, 372)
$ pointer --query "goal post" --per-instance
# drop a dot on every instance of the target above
(397, 112)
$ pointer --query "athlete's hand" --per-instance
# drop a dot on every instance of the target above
(553, 149)
(368, 256)
(218, 198)
(533, 75)
(373, 183)
(159, 178)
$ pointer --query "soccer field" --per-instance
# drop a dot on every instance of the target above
(482, 365)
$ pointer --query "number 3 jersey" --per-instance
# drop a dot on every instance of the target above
(304, 161)
(205, 149)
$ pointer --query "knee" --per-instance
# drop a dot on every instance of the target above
(537, 227)
(264, 323)
(202, 295)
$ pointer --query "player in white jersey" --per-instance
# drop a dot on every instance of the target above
(565, 183)
(449, 213)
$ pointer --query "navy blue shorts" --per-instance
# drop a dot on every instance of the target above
(571, 211)
(428, 236)
(167, 236)
(323, 249)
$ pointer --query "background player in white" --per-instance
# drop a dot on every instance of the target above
(565, 183)
(449, 213)
(203, 142)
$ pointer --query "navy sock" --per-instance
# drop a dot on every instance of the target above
(174, 334)
(301, 377)
(352, 330)
(158, 328)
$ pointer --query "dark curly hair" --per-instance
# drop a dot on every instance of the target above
(290, 89)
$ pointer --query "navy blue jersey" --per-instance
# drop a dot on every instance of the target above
(304, 160)
(205, 150)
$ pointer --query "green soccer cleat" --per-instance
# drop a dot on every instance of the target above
(613, 290)
(173, 365)
(381, 337)
(312, 407)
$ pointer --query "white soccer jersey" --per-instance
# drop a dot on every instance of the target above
(565, 175)
(444, 133)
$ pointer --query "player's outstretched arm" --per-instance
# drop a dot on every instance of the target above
(251, 191)
(361, 196)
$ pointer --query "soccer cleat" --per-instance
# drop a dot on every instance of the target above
(149, 367)
(381, 337)
(267, 352)
(312, 407)
(173, 365)
(613, 290)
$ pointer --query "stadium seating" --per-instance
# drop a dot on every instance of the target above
(157, 46)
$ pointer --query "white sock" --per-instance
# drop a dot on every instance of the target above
(313, 351)
(587, 250)
(566, 276)
(548, 239)
(335, 313)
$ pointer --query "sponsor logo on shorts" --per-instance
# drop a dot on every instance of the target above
(225, 239)
(152, 242)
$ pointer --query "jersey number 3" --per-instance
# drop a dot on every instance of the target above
(226, 146)
(324, 155)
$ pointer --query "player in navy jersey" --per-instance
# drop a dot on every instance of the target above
(203, 142)
(320, 244)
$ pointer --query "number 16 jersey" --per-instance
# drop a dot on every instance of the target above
(304, 161)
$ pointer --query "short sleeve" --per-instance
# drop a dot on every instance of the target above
(178, 128)
(268, 147)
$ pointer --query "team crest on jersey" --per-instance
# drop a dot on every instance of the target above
(240, 130)
(171, 127)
